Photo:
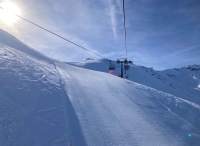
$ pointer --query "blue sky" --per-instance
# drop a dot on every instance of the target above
(160, 33)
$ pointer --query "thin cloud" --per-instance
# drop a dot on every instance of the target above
(114, 6)
(183, 50)
(113, 20)
(119, 3)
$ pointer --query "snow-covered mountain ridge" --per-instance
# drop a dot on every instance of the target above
(47, 102)
(182, 82)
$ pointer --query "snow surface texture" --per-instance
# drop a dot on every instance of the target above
(183, 82)
(50, 103)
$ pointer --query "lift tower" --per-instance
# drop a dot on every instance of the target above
(124, 65)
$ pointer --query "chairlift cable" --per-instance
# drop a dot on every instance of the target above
(124, 28)
(58, 35)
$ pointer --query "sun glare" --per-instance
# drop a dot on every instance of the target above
(8, 12)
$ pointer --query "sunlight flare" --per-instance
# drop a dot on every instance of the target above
(8, 12)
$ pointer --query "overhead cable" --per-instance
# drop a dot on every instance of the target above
(124, 28)
(58, 35)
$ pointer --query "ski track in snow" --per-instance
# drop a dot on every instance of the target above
(26, 83)
(175, 105)
(115, 120)
(45, 102)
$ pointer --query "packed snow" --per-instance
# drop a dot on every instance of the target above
(45, 102)
(182, 82)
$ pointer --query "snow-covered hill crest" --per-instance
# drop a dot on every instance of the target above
(46, 102)
(11, 41)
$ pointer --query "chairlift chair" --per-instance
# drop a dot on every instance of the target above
(111, 66)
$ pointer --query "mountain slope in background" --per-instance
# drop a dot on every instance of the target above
(183, 82)
(46, 102)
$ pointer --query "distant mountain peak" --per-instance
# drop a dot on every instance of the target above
(86, 59)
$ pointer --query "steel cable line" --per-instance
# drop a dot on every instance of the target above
(58, 35)
(124, 27)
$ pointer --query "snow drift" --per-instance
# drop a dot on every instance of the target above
(47, 102)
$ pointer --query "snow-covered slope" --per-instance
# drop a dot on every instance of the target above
(46, 103)
(183, 82)
(9, 40)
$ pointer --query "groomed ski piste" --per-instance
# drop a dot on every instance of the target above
(182, 82)
(44, 102)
